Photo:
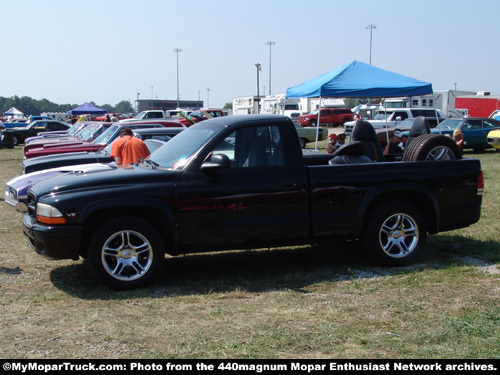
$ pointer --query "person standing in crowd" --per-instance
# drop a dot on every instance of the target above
(395, 145)
(128, 149)
(458, 137)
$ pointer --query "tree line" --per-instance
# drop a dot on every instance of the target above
(30, 106)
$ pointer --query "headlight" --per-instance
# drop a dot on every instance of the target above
(48, 214)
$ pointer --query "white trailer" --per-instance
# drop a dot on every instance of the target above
(443, 100)
(245, 105)
(280, 105)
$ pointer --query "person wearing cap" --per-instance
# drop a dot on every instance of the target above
(396, 145)
(335, 141)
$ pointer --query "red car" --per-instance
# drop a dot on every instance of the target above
(89, 132)
(119, 116)
(100, 142)
(328, 116)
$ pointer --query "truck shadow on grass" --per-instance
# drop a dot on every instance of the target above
(265, 270)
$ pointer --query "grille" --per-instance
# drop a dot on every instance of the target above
(31, 202)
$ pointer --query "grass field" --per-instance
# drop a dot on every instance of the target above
(303, 302)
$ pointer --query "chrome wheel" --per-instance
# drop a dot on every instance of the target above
(440, 153)
(399, 235)
(127, 255)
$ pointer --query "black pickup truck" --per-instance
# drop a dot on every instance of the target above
(242, 182)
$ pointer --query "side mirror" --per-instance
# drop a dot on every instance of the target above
(217, 161)
(398, 118)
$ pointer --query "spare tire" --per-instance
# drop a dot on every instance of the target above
(432, 147)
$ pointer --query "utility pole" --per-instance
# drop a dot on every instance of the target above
(177, 50)
(371, 27)
(270, 44)
(258, 66)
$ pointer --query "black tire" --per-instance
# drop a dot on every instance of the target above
(432, 147)
(126, 253)
(312, 123)
(303, 142)
(395, 233)
(15, 141)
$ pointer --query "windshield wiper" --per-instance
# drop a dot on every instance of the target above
(153, 164)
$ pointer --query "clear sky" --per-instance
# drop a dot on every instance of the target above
(106, 51)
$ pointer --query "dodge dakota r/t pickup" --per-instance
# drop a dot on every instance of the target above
(242, 182)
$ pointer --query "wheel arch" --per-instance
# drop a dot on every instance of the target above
(160, 218)
(419, 197)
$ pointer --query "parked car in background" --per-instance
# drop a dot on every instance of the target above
(474, 129)
(19, 134)
(119, 116)
(87, 133)
(101, 156)
(392, 117)
(108, 136)
(495, 115)
(493, 139)
(16, 189)
(71, 132)
(327, 116)
(307, 135)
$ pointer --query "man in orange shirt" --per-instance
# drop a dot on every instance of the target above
(127, 149)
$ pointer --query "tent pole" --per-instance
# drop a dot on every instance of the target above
(317, 125)
(386, 127)
(437, 120)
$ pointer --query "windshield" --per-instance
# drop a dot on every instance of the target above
(450, 124)
(86, 131)
(107, 135)
(183, 146)
(315, 112)
(75, 128)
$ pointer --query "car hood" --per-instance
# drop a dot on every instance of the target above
(114, 177)
(34, 177)
(60, 149)
(494, 133)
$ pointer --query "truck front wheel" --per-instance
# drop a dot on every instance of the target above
(395, 234)
(126, 253)
(312, 123)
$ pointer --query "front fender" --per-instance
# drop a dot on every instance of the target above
(154, 211)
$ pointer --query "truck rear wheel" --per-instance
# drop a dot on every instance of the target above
(126, 253)
(395, 234)
(432, 147)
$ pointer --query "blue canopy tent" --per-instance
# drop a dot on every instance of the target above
(359, 80)
(86, 108)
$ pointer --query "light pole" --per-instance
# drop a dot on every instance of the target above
(270, 44)
(152, 98)
(258, 66)
(208, 97)
(371, 27)
(137, 107)
(177, 50)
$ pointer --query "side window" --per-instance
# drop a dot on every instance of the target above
(402, 115)
(474, 124)
(489, 125)
(253, 147)
(41, 125)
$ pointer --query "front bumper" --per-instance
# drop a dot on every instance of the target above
(53, 242)
(494, 141)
